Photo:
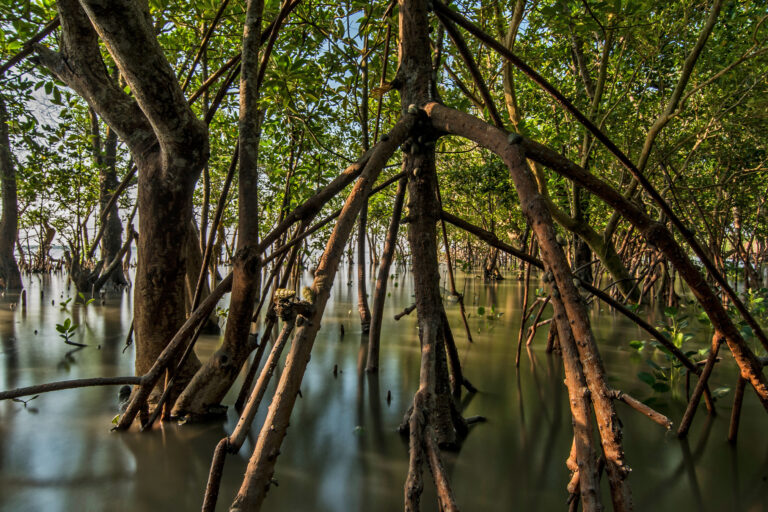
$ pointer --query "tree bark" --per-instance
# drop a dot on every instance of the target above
(433, 401)
(9, 223)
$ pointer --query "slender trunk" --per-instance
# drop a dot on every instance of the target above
(362, 288)
(382, 278)
(112, 239)
(362, 285)
(9, 269)
(216, 377)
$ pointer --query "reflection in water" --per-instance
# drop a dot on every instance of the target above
(342, 451)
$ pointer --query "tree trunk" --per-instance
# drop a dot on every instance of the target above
(9, 269)
(362, 284)
(380, 294)
(362, 288)
(433, 401)
(165, 214)
(168, 143)
(217, 375)
(112, 239)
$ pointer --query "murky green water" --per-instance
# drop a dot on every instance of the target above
(342, 452)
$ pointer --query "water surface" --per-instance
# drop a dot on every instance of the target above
(342, 452)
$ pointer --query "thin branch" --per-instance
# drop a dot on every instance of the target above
(29, 47)
(69, 384)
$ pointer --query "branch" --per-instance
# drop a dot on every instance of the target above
(640, 407)
(112, 200)
(29, 46)
(69, 384)
(686, 233)
(466, 56)
(117, 260)
(298, 238)
(125, 28)
(204, 44)
(310, 207)
(682, 83)
(494, 241)
(657, 234)
(406, 311)
(80, 66)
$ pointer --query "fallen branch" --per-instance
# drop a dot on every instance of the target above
(69, 384)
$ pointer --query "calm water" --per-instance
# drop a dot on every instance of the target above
(342, 452)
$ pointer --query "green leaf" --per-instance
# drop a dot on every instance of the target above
(670, 311)
(637, 345)
(661, 387)
(116, 419)
(480, 310)
(647, 378)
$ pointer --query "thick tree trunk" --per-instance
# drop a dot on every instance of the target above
(168, 143)
(433, 401)
(9, 269)
(165, 213)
